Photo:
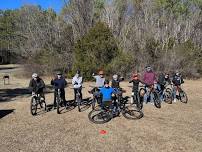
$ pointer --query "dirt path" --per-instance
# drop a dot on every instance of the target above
(176, 127)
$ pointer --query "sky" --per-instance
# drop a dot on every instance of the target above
(13, 4)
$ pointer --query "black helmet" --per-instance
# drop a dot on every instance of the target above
(78, 72)
(59, 73)
(106, 82)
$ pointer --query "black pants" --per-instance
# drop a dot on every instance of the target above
(75, 91)
(62, 96)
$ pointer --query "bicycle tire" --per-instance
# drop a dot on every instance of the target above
(78, 103)
(132, 114)
(33, 106)
(183, 97)
(44, 107)
(168, 96)
(58, 102)
(103, 116)
(157, 101)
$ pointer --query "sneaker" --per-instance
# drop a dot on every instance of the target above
(175, 100)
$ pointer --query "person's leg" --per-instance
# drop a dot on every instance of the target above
(80, 91)
(75, 91)
(174, 93)
(54, 100)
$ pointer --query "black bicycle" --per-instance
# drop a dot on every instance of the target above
(78, 98)
(111, 109)
(37, 103)
(136, 99)
(60, 101)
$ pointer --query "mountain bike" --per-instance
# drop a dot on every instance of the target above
(152, 93)
(59, 101)
(78, 98)
(182, 94)
(111, 109)
(37, 103)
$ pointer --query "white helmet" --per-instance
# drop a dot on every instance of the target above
(115, 76)
(34, 75)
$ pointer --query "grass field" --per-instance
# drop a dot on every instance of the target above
(173, 128)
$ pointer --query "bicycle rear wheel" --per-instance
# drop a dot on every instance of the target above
(157, 101)
(43, 105)
(168, 96)
(100, 116)
(33, 106)
(58, 101)
(183, 97)
(78, 103)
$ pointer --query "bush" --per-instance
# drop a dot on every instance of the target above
(95, 50)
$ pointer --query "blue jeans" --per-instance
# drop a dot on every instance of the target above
(148, 95)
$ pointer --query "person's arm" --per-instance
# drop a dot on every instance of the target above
(73, 81)
(80, 80)
(52, 82)
(182, 80)
(42, 84)
(65, 82)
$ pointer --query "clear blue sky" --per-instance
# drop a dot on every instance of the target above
(13, 4)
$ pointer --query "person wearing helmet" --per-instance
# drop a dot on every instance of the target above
(59, 83)
(135, 80)
(77, 82)
(149, 79)
(177, 81)
(116, 81)
(37, 85)
(107, 93)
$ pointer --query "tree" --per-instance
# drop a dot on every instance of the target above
(95, 50)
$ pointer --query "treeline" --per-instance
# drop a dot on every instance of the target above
(114, 35)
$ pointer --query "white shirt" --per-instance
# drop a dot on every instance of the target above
(77, 80)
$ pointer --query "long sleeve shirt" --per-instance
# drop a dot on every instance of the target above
(77, 82)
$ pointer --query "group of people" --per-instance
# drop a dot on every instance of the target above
(102, 86)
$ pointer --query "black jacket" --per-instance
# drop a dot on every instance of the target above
(37, 86)
(59, 83)
(177, 80)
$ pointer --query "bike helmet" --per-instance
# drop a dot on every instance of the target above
(78, 72)
(34, 75)
(59, 73)
(148, 68)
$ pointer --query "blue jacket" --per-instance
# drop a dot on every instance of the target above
(59, 83)
(107, 93)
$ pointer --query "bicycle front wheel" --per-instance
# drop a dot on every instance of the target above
(100, 116)
(157, 101)
(183, 97)
(132, 114)
(33, 106)
(58, 105)
(168, 96)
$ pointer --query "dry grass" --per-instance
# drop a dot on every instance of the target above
(173, 128)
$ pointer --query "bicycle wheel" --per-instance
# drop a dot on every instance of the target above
(93, 103)
(58, 101)
(133, 114)
(33, 106)
(43, 105)
(78, 103)
(168, 96)
(183, 97)
(100, 116)
(157, 101)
